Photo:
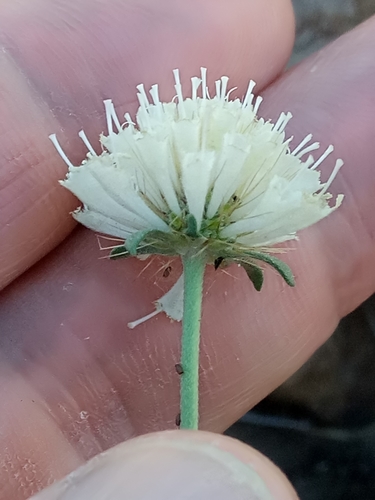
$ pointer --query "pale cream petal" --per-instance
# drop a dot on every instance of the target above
(155, 159)
(106, 189)
(228, 169)
(103, 224)
(284, 226)
(196, 173)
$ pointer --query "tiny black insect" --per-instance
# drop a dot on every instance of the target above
(179, 369)
(178, 419)
(217, 262)
(167, 272)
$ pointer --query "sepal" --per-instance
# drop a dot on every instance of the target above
(280, 266)
(255, 273)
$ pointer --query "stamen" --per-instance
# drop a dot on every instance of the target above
(154, 92)
(204, 82)
(144, 105)
(178, 87)
(229, 93)
(327, 152)
(115, 119)
(218, 88)
(111, 116)
(312, 147)
(224, 84)
(248, 99)
(55, 142)
(286, 144)
(133, 324)
(129, 121)
(107, 105)
(302, 144)
(258, 102)
(279, 121)
(86, 142)
(309, 161)
(142, 96)
(195, 82)
(287, 119)
(339, 164)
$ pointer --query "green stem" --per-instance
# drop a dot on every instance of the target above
(194, 266)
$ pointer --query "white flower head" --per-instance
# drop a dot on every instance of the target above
(200, 174)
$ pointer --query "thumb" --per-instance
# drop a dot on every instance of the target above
(175, 464)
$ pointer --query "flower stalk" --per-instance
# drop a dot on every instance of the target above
(194, 266)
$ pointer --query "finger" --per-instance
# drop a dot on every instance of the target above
(177, 464)
(59, 61)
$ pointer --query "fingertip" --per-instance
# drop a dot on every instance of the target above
(175, 464)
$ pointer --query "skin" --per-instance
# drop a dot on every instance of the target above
(74, 381)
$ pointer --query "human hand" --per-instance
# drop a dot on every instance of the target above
(74, 380)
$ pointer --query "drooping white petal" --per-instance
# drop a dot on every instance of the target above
(172, 304)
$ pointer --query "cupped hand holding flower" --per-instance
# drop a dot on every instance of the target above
(74, 381)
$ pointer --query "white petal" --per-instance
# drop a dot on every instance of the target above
(155, 159)
(235, 152)
(196, 173)
(185, 138)
(106, 189)
(282, 226)
(103, 224)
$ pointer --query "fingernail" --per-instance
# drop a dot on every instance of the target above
(155, 468)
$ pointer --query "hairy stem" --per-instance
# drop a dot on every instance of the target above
(194, 266)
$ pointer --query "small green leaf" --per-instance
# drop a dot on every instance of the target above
(255, 274)
(192, 226)
(280, 266)
(119, 253)
(135, 239)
